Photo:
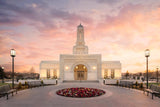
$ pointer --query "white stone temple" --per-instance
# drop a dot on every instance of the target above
(80, 65)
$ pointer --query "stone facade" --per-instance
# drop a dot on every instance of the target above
(80, 65)
(111, 69)
(49, 69)
(69, 62)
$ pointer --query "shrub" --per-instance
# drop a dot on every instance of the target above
(136, 83)
(117, 82)
(41, 81)
(141, 85)
(105, 77)
(19, 85)
(26, 84)
(54, 77)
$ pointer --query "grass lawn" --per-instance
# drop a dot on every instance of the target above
(1, 84)
(5, 84)
(153, 83)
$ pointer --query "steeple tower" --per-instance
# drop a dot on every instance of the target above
(80, 47)
(80, 35)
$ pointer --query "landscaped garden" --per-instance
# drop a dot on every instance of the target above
(80, 92)
(1, 84)
(158, 84)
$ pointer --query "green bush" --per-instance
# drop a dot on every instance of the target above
(136, 83)
(141, 85)
(117, 82)
(41, 81)
(54, 77)
(105, 77)
(19, 85)
(26, 84)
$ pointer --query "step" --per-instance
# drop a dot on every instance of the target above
(82, 81)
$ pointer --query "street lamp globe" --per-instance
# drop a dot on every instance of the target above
(147, 53)
(3, 68)
(13, 53)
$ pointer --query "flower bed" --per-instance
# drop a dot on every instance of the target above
(80, 92)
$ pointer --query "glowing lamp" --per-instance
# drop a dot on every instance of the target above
(94, 67)
(76, 67)
(84, 67)
(66, 67)
(13, 53)
(147, 53)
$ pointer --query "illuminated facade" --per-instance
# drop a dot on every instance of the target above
(80, 65)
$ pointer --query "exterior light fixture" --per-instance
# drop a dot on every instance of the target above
(84, 67)
(13, 54)
(147, 54)
(94, 67)
(76, 67)
(66, 67)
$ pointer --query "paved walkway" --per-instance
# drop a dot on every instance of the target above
(46, 97)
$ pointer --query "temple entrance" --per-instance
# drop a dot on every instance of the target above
(80, 72)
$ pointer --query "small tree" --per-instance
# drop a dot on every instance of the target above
(19, 85)
(19, 76)
(26, 84)
(136, 84)
(42, 82)
(32, 72)
(2, 74)
(117, 82)
(127, 74)
(141, 85)
(1, 70)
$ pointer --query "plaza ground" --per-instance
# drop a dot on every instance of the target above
(47, 97)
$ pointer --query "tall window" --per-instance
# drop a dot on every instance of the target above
(106, 73)
(48, 73)
(112, 73)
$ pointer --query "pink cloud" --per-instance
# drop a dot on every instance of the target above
(122, 36)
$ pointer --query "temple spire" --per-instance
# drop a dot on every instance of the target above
(80, 35)
(80, 47)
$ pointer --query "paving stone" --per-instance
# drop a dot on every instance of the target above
(47, 97)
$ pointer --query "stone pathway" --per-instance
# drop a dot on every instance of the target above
(46, 97)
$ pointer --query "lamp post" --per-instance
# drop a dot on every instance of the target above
(147, 54)
(157, 74)
(13, 54)
(2, 74)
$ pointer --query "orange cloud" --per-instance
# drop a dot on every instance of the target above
(122, 36)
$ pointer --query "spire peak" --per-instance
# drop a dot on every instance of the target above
(80, 25)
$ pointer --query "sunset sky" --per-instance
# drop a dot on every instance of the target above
(42, 29)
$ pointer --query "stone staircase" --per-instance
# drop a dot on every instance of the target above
(82, 81)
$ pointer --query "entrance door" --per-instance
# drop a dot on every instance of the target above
(80, 75)
(80, 72)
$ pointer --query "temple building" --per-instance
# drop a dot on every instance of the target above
(80, 65)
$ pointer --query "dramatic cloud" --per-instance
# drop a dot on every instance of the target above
(41, 30)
